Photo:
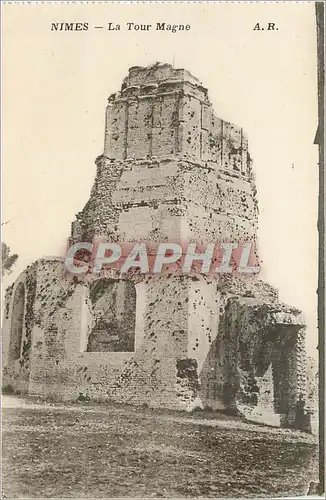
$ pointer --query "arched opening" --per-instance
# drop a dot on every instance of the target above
(17, 323)
(114, 313)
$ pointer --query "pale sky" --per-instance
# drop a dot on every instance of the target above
(55, 89)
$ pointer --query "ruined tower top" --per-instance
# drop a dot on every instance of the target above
(162, 111)
(170, 163)
(157, 74)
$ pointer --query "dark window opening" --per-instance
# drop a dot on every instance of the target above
(114, 314)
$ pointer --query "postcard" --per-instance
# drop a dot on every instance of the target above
(162, 249)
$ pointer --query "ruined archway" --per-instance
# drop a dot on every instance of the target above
(17, 323)
(265, 369)
(269, 365)
(114, 316)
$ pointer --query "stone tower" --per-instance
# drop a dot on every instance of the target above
(171, 171)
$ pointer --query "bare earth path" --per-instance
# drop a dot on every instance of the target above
(101, 451)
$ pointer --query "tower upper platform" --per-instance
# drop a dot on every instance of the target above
(162, 111)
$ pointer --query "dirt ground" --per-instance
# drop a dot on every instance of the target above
(101, 451)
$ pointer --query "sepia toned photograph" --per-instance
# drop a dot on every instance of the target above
(162, 276)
